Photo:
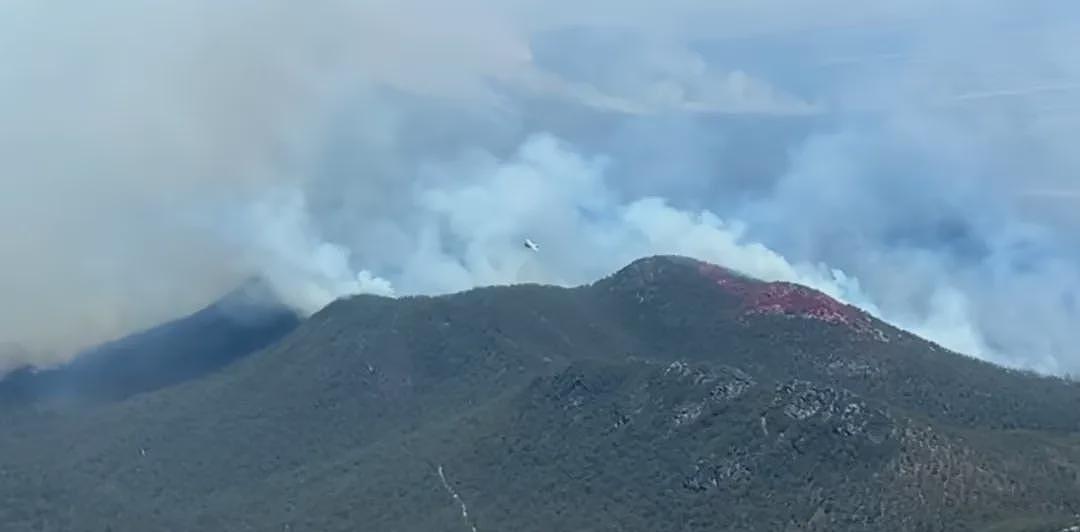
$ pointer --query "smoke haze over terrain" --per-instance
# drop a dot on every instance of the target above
(912, 157)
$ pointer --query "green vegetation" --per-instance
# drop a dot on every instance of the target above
(646, 401)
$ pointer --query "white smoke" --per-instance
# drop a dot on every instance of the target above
(473, 231)
(281, 243)
(911, 157)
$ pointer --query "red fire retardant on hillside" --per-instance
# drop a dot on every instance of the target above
(788, 299)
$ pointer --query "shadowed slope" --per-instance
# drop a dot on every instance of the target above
(240, 323)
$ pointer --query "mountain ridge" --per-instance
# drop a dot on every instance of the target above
(647, 400)
(242, 321)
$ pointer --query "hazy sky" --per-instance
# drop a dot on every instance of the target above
(913, 157)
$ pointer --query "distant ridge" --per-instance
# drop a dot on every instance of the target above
(244, 320)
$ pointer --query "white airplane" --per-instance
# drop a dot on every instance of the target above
(531, 245)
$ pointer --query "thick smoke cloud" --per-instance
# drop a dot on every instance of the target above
(911, 157)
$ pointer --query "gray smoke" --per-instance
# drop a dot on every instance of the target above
(911, 157)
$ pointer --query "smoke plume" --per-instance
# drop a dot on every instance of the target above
(911, 157)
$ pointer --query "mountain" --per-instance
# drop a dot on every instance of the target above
(242, 322)
(673, 395)
(13, 354)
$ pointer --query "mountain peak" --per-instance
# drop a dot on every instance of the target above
(756, 297)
